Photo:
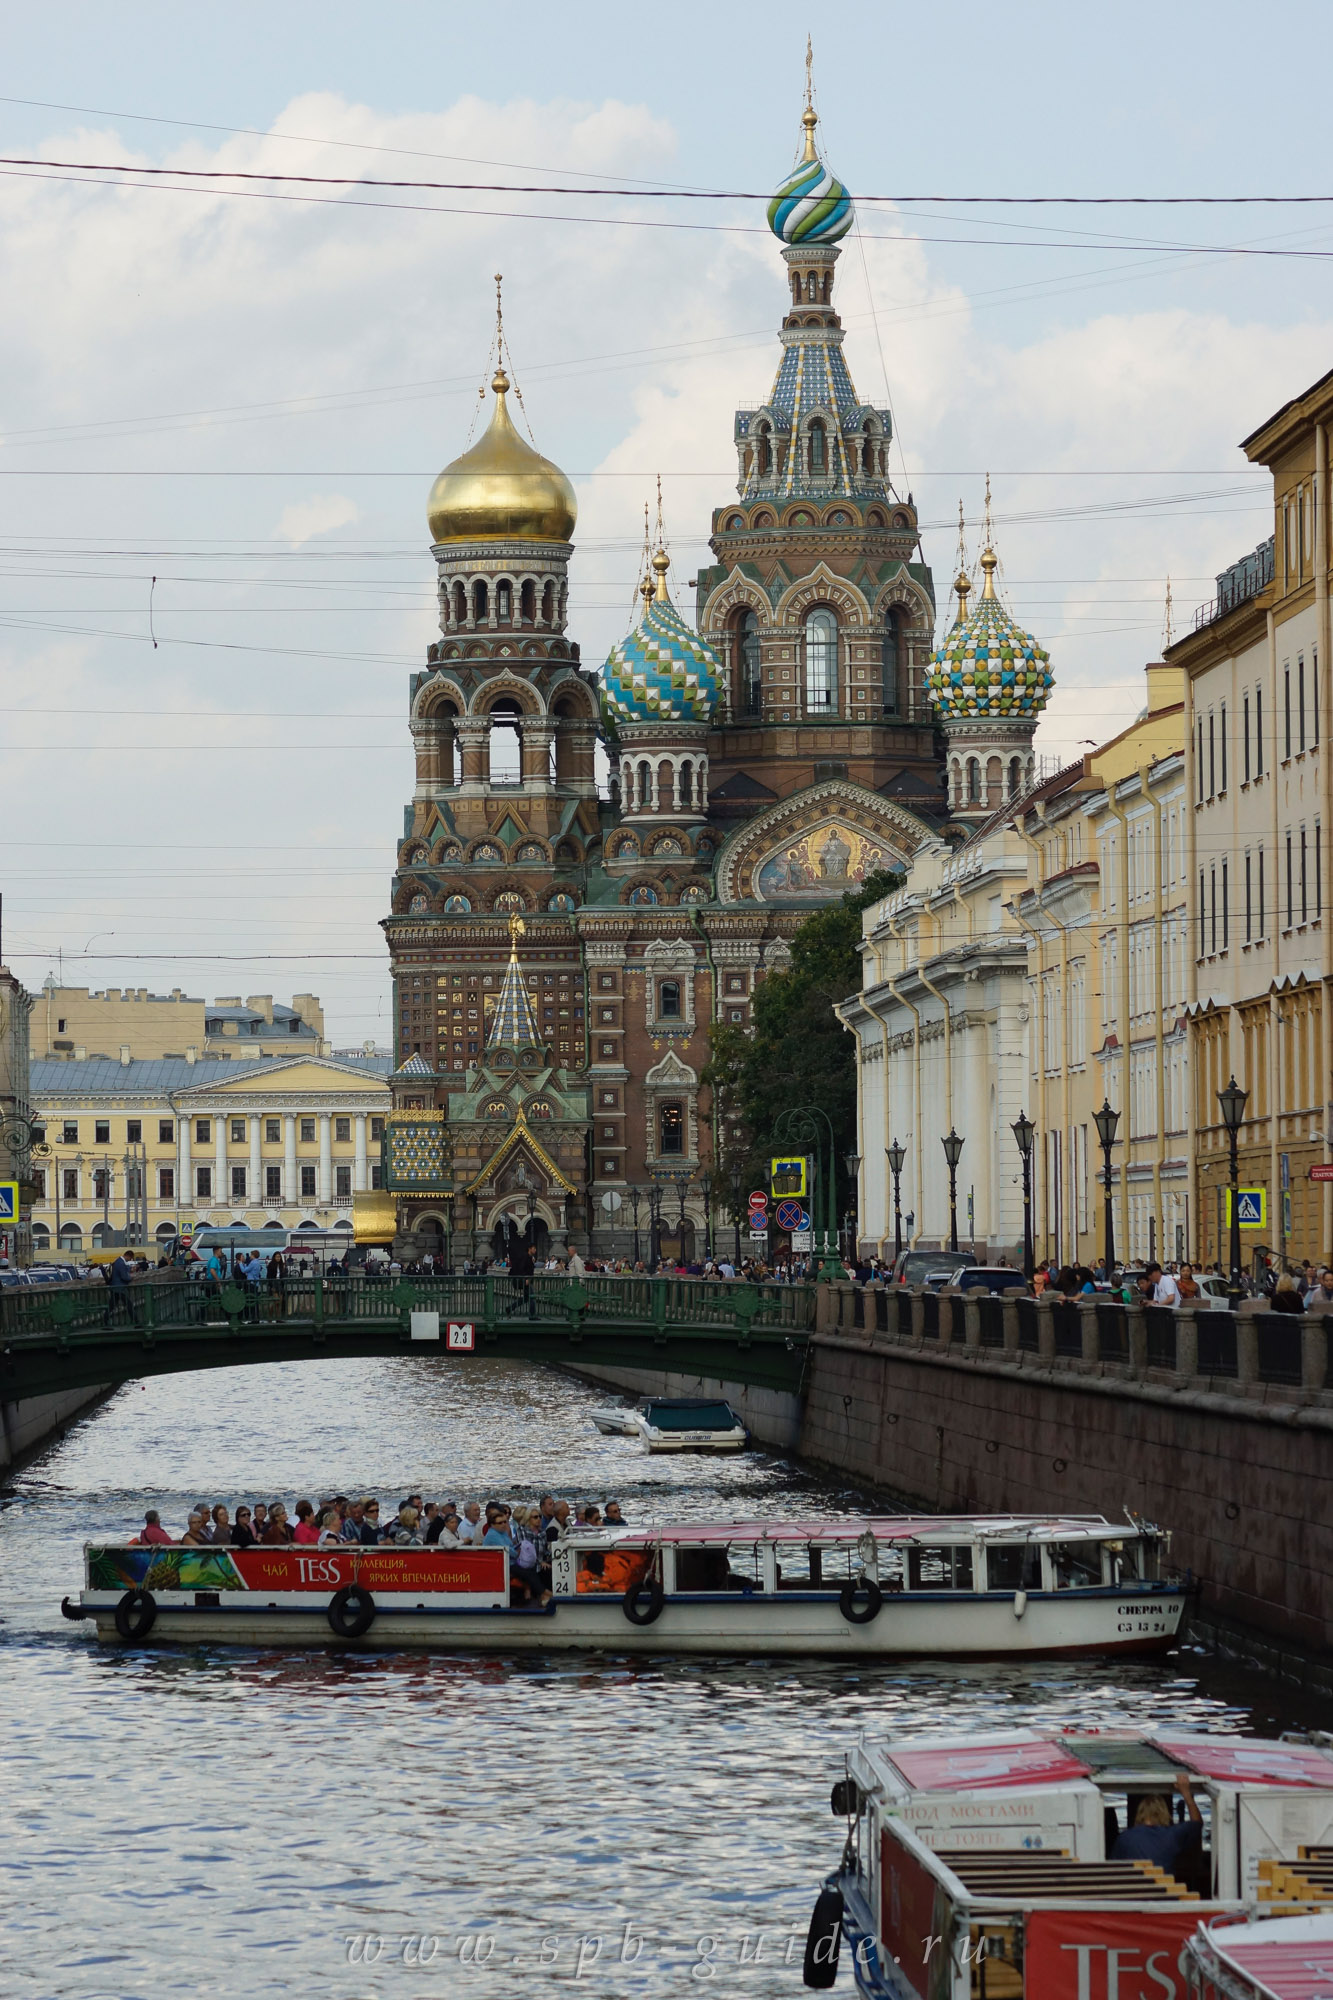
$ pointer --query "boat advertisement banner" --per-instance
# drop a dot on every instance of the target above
(382, 1570)
(1108, 1954)
(914, 1922)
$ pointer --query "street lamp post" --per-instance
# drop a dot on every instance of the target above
(1025, 1132)
(854, 1177)
(654, 1228)
(953, 1150)
(1106, 1121)
(736, 1213)
(798, 1125)
(896, 1154)
(1232, 1101)
(706, 1183)
(634, 1198)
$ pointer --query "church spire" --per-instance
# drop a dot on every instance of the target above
(513, 1024)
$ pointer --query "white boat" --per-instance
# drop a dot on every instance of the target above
(870, 1587)
(1000, 1866)
(692, 1424)
(617, 1423)
(1275, 1958)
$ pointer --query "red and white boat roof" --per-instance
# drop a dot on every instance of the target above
(1030, 1757)
(885, 1528)
(1279, 1958)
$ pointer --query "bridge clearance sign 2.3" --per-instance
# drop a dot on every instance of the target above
(460, 1335)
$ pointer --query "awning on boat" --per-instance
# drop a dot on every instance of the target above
(692, 1417)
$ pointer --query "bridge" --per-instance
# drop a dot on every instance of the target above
(57, 1339)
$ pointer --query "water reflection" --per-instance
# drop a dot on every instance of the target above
(265, 1824)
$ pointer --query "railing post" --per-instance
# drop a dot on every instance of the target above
(1009, 1315)
(488, 1307)
(1248, 1313)
(659, 1302)
(1046, 1330)
(1314, 1346)
(1136, 1340)
(969, 1303)
(1089, 1331)
(319, 1298)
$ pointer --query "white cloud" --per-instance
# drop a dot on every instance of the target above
(321, 514)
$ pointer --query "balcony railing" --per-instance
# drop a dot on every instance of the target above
(1237, 585)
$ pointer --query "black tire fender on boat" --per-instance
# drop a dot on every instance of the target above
(75, 1611)
(860, 1614)
(642, 1603)
(824, 1941)
(351, 1611)
(136, 1614)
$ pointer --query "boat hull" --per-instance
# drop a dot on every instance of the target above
(720, 1625)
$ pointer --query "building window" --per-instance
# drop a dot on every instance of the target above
(307, 1183)
(273, 1183)
(203, 1183)
(307, 1131)
(1314, 698)
(818, 450)
(1305, 899)
(891, 659)
(166, 1183)
(1212, 757)
(1318, 875)
(342, 1185)
(272, 1130)
(238, 1131)
(39, 1183)
(70, 1132)
(973, 781)
(1300, 701)
(342, 1130)
(1222, 732)
(69, 1183)
(751, 669)
(1212, 910)
(1249, 907)
(1290, 878)
(671, 1128)
(1286, 711)
(1261, 892)
(101, 1184)
(203, 1131)
(1245, 727)
(377, 1177)
(134, 1132)
(102, 1132)
(821, 662)
(668, 1000)
(1258, 732)
(377, 1129)
(238, 1183)
(1199, 765)
(1226, 907)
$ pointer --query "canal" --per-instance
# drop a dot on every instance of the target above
(257, 1824)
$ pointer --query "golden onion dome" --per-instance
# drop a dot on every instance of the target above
(501, 490)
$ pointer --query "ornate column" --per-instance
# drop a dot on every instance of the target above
(472, 735)
(360, 1178)
(325, 1159)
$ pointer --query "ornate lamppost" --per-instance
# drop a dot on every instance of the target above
(953, 1151)
(706, 1183)
(1106, 1122)
(853, 1164)
(1233, 1100)
(654, 1228)
(634, 1198)
(895, 1155)
(736, 1213)
(1025, 1132)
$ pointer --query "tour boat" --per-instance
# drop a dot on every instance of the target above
(1275, 1958)
(981, 1867)
(875, 1588)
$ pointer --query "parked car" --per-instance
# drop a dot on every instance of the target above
(921, 1267)
(986, 1278)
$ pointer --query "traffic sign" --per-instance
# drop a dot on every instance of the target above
(1252, 1207)
(758, 1199)
(803, 1239)
(1322, 1172)
(461, 1337)
(9, 1201)
(758, 1236)
(611, 1201)
(788, 1175)
(791, 1215)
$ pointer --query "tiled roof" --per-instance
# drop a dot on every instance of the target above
(105, 1076)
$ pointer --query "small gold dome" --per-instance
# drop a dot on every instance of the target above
(501, 490)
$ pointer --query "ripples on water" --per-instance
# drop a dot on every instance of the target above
(219, 1822)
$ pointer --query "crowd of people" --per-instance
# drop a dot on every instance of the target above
(527, 1531)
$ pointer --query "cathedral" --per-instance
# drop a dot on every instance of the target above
(559, 953)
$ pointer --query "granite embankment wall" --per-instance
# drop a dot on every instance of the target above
(28, 1427)
(1218, 1426)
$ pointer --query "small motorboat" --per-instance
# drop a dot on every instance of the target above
(617, 1423)
(1003, 1864)
(692, 1424)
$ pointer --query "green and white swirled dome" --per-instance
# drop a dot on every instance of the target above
(662, 671)
(810, 206)
(987, 665)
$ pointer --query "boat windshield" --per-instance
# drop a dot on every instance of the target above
(1076, 1565)
(1013, 1566)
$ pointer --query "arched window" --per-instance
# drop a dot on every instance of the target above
(668, 1000)
(894, 655)
(548, 602)
(868, 453)
(765, 452)
(821, 662)
(479, 611)
(460, 605)
(818, 450)
(506, 761)
(504, 600)
(671, 1128)
(751, 688)
(527, 601)
(1015, 776)
(811, 287)
(645, 797)
(685, 784)
(973, 782)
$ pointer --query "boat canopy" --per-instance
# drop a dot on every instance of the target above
(1112, 1758)
(691, 1416)
(932, 1528)
(1281, 1958)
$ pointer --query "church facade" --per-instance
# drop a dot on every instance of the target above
(763, 760)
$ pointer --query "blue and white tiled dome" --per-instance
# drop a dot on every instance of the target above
(810, 207)
(987, 664)
(661, 672)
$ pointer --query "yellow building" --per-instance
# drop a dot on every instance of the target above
(72, 1022)
(171, 1143)
(1258, 714)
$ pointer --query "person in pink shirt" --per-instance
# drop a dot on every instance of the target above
(307, 1528)
(153, 1531)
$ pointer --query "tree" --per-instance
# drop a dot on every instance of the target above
(796, 1050)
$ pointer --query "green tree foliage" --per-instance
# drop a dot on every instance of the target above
(796, 1050)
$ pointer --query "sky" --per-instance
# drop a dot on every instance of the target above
(222, 404)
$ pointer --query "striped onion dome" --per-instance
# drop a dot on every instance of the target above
(662, 671)
(987, 664)
(810, 207)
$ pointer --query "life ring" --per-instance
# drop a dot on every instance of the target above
(824, 1941)
(351, 1611)
(638, 1612)
(864, 1614)
(135, 1614)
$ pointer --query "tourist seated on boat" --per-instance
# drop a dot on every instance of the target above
(403, 1532)
(443, 1530)
(307, 1529)
(331, 1529)
(617, 1570)
(277, 1532)
(242, 1530)
(194, 1536)
(152, 1530)
(1172, 1846)
(613, 1517)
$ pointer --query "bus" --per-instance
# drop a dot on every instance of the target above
(302, 1249)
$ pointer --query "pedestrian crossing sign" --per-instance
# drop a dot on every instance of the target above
(1251, 1207)
(9, 1201)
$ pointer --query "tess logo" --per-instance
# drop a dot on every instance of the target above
(318, 1569)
